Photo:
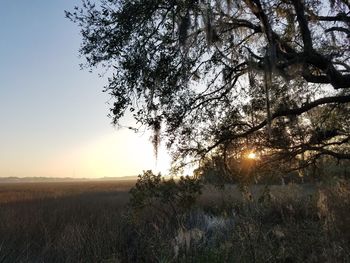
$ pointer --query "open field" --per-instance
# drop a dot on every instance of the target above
(89, 222)
(61, 222)
(19, 192)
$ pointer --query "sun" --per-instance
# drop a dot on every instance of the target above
(252, 155)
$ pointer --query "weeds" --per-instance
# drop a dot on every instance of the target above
(275, 224)
(267, 227)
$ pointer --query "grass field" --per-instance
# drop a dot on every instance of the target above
(89, 222)
(61, 221)
(19, 192)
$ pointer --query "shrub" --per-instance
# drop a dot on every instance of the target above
(153, 189)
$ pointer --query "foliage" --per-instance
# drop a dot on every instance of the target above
(224, 76)
(157, 208)
(220, 170)
(213, 170)
(152, 190)
(276, 225)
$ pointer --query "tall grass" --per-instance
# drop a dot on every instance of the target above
(267, 226)
(273, 224)
(75, 228)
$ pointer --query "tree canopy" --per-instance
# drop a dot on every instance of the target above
(227, 76)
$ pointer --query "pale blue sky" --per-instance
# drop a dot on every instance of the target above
(53, 116)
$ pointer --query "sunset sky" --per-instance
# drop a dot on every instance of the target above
(53, 116)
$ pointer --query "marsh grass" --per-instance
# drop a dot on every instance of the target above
(93, 223)
(19, 192)
(61, 222)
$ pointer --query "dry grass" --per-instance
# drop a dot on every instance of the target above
(61, 222)
(89, 222)
(276, 224)
(231, 193)
(19, 192)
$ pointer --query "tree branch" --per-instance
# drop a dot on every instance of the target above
(323, 151)
(339, 29)
(336, 79)
(281, 113)
(303, 24)
(341, 17)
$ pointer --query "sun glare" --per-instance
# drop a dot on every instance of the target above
(252, 155)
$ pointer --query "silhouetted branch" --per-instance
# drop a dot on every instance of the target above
(281, 113)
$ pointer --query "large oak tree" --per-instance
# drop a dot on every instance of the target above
(211, 75)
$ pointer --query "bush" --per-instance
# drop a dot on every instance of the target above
(153, 189)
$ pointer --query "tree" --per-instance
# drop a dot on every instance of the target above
(213, 75)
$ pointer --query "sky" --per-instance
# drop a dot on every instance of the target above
(53, 115)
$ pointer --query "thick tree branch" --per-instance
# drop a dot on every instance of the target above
(339, 29)
(336, 79)
(323, 151)
(281, 113)
(341, 17)
(315, 79)
(303, 24)
(257, 10)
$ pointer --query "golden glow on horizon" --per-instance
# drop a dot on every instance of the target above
(121, 153)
